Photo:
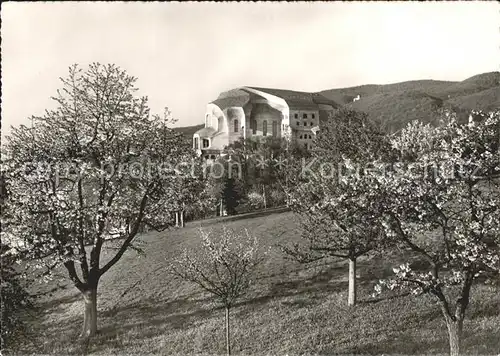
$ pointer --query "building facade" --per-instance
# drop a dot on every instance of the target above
(250, 112)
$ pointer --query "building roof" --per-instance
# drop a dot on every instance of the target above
(285, 94)
(232, 101)
(298, 104)
(232, 98)
(299, 99)
(206, 132)
(294, 99)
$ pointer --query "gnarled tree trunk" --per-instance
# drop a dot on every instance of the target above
(351, 298)
(90, 312)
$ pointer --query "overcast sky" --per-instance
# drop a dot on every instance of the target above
(185, 54)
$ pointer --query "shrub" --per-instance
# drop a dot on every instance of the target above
(277, 198)
(15, 299)
(255, 200)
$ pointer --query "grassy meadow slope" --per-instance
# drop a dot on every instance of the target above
(292, 309)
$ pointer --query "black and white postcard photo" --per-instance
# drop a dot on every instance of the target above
(250, 178)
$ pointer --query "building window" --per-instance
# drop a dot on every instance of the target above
(275, 129)
(310, 137)
(206, 143)
(296, 115)
(300, 137)
(253, 125)
(196, 143)
(305, 123)
(298, 123)
(313, 116)
(304, 116)
(236, 125)
(311, 123)
(264, 128)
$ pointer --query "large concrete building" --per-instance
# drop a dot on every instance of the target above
(249, 112)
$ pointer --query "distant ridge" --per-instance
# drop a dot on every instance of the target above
(394, 105)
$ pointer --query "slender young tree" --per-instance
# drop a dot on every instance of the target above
(97, 168)
(443, 203)
(223, 266)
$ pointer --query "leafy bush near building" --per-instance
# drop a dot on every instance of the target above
(255, 201)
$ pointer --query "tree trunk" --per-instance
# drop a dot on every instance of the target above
(264, 195)
(351, 299)
(221, 208)
(90, 312)
(454, 335)
(228, 341)
(176, 219)
(182, 218)
(129, 225)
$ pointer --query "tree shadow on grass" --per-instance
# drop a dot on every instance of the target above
(50, 304)
(402, 345)
(332, 278)
(151, 305)
(415, 344)
(147, 319)
(144, 319)
(48, 337)
(384, 298)
(306, 288)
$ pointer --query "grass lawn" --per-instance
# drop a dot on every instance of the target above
(293, 308)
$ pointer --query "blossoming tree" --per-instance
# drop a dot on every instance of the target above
(91, 172)
(339, 210)
(443, 203)
(223, 266)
